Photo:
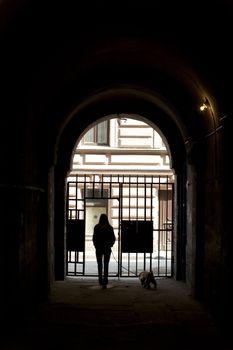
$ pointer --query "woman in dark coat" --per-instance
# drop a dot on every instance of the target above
(103, 240)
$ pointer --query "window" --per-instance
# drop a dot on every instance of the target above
(98, 135)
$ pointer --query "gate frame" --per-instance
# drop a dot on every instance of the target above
(120, 215)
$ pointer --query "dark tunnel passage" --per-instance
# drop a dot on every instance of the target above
(59, 76)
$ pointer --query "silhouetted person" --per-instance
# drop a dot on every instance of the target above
(103, 239)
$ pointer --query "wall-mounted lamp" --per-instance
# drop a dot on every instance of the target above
(204, 105)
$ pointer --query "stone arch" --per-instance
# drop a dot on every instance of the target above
(146, 103)
(142, 77)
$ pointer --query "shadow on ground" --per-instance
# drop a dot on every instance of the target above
(80, 315)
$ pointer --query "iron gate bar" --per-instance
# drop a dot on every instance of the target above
(135, 184)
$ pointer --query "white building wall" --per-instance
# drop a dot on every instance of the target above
(134, 149)
(133, 146)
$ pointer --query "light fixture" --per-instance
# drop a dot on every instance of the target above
(204, 105)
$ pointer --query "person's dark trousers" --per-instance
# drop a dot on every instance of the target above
(99, 258)
(106, 265)
(103, 261)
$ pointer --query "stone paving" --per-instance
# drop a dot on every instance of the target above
(80, 315)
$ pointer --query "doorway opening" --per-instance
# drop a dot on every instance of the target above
(121, 167)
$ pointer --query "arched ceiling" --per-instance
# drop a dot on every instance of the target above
(167, 55)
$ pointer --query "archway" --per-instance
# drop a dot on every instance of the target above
(131, 101)
(121, 166)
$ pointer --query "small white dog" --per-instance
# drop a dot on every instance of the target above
(147, 278)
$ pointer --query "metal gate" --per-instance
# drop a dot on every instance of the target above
(140, 209)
